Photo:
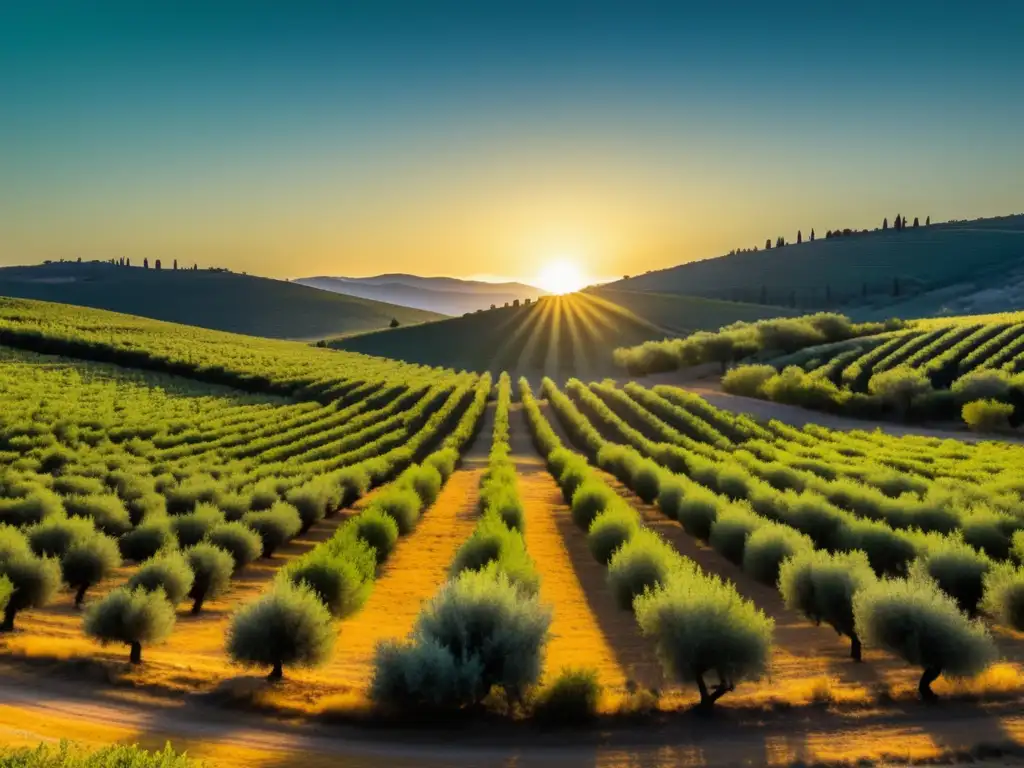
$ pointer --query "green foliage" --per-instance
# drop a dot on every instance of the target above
(701, 625)
(768, 546)
(168, 572)
(1003, 597)
(644, 562)
(147, 540)
(35, 581)
(379, 530)
(107, 511)
(286, 627)
(212, 568)
(492, 544)
(610, 530)
(479, 632)
(916, 621)
(987, 415)
(748, 380)
(238, 540)
(37, 505)
(68, 755)
(957, 568)
(88, 561)
(276, 526)
(403, 505)
(340, 578)
(589, 500)
(571, 698)
(135, 617)
(54, 536)
(192, 527)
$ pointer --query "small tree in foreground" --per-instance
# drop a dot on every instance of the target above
(701, 625)
(987, 416)
(212, 568)
(821, 586)
(287, 626)
(35, 581)
(88, 562)
(918, 622)
(134, 617)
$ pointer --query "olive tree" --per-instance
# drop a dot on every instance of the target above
(821, 586)
(917, 621)
(88, 562)
(135, 617)
(701, 625)
(286, 626)
(35, 581)
(239, 540)
(275, 526)
(169, 572)
(212, 568)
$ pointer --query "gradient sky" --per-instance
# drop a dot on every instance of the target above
(288, 138)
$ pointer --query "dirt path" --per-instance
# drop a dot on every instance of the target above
(572, 582)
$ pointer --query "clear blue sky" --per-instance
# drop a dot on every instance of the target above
(289, 138)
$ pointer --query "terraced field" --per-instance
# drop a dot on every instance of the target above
(337, 521)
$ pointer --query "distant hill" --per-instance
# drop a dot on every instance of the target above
(559, 336)
(943, 267)
(222, 301)
(445, 295)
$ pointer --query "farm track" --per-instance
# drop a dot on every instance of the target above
(587, 629)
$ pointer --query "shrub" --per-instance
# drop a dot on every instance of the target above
(379, 530)
(958, 569)
(234, 505)
(88, 562)
(147, 540)
(492, 543)
(238, 540)
(698, 511)
(402, 505)
(55, 535)
(106, 510)
(169, 572)
(275, 526)
(987, 416)
(768, 546)
(589, 500)
(730, 531)
(36, 506)
(135, 617)
(502, 499)
(191, 528)
(915, 620)
(6, 590)
(287, 626)
(643, 562)
(67, 755)
(610, 530)
(313, 501)
(1004, 595)
(702, 625)
(889, 552)
(443, 461)
(571, 698)
(575, 474)
(479, 632)
(13, 543)
(821, 586)
(212, 568)
(900, 386)
(983, 384)
(646, 481)
(35, 581)
(342, 583)
(748, 380)
(425, 481)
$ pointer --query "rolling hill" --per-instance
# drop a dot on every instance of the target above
(445, 295)
(559, 336)
(940, 269)
(223, 301)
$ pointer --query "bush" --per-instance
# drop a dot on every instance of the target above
(590, 499)
(702, 625)
(646, 481)
(698, 511)
(821, 586)
(36, 506)
(379, 530)
(610, 530)
(900, 386)
(915, 620)
(768, 546)
(983, 384)
(169, 572)
(212, 568)
(443, 461)
(288, 626)
(571, 698)
(313, 501)
(6, 590)
(425, 481)
(135, 617)
(493, 544)
(342, 583)
(402, 505)
(1004, 595)
(730, 531)
(106, 510)
(13, 543)
(146, 541)
(987, 416)
(191, 528)
(238, 540)
(275, 526)
(643, 562)
(958, 569)
(88, 562)
(66, 755)
(479, 632)
(35, 581)
(55, 535)
(748, 380)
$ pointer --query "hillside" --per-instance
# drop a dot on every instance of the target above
(445, 295)
(222, 301)
(940, 269)
(559, 336)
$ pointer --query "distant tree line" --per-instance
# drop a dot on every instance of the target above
(127, 262)
(900, 223)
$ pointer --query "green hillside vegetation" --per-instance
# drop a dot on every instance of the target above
(914, 272)
(221, 300)
(559, 336)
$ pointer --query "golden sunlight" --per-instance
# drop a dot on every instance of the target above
(560, 277)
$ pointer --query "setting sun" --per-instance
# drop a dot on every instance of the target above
(560, 277)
